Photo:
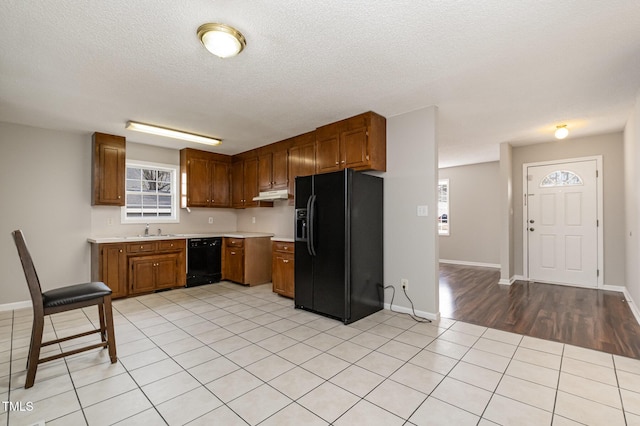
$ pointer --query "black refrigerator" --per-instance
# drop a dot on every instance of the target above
(338, 244)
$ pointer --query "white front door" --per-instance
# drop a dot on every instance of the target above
(562, 223)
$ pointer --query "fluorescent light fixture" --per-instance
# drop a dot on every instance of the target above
(171, 133)
(561, 131)
(221, 40)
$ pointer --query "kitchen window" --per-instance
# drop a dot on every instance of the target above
(151, 193)
(443, 207)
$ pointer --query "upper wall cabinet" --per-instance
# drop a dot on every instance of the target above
(272, 170)
(109, 168)
(357, 143)
(204, 179)
(244, 184)
(302, 158)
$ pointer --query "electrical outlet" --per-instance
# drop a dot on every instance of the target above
(109, 221)
(404, 283)
(210, 219)
(253, 219)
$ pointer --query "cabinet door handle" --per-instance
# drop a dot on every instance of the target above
(342, 161)
(337, 163)
(285, 261)
(120, 250)
(233, 252)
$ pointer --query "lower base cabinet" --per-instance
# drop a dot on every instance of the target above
(246, 260)
(140, 267)
(283, 268)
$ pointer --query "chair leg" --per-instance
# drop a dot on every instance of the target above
(34, 349)
(103, 328)
(108, 314)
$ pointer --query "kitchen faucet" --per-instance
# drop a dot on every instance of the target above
(146, 231)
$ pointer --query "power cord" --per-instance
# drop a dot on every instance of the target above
(415, 316)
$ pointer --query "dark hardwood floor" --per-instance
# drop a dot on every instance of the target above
(595, 319)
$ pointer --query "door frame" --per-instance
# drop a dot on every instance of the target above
(600, 215)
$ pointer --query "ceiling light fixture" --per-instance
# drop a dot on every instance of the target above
(171, 133)
(561, 131)
(221, 40)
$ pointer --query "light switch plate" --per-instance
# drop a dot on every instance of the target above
(423, 211)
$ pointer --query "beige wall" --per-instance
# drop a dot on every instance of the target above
(474, 207)
(46, 184)
(610, 146)
(632, 196)
(105, 220)
(46, 188)
(46, 192)
(277, 219)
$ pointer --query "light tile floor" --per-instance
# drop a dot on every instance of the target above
(232, 355)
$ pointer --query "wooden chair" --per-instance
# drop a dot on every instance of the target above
(61, 300)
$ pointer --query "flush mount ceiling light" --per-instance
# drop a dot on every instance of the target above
(171, 133)
(221, 40)
(561, 131)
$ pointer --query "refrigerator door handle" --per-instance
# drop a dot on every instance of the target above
(311, 207)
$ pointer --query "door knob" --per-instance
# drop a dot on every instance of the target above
(531, 229)
(531, 221)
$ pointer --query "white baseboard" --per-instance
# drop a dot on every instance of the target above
(618, 288)
(505, 281)
(402, 309)
(632, 304)
(15, 305)
(465, 263)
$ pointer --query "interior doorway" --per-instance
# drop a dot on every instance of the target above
(562, 230)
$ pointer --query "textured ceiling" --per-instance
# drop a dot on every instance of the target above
(499, 71)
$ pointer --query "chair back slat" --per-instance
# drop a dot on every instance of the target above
(29, 269)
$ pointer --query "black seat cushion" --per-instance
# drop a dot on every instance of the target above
(74, 293)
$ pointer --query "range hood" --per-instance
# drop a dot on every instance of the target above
(281, 194)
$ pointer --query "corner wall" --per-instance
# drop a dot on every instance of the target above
(632, 208)
(410, 241)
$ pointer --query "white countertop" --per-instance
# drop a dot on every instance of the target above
(283, 239)
(135, 238)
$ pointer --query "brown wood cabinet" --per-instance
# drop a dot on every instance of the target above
(154, 272)
(204, 179)
(283, 268)
(273, 170)
(234, 260)
(247, 260)
(139, 267)
(109, 168)
(109, 265)
(244, 184)
(358, 143)
(302, 158)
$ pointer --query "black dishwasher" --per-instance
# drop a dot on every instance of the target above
(204, 261)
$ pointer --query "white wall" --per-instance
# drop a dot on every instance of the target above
(474, 212)
(411, 242)
(632, 197)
